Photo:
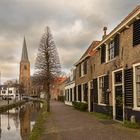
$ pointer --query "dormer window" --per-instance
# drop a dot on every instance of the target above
(103, 53)
(83, 68)
(111, 50)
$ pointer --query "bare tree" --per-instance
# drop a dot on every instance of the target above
(47, 66)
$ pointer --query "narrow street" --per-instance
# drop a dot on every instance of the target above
(66, 123)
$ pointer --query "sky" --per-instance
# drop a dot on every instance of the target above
(73, 23)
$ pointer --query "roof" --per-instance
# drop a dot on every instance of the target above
(24, 57)
(124, 23)
(59, 80)
(88, 51)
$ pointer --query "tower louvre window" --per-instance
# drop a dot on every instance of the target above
(25, 67)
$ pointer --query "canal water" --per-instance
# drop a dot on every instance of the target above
(17, 123)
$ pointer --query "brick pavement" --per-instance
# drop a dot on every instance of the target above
(66, 123)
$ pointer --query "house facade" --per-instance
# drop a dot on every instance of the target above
(109, 79)
(116, 70)
(83, 78)
(70, 89)
(11, 92)
(56, 87)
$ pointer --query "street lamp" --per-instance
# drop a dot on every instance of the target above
(8, 127)
(8, 94)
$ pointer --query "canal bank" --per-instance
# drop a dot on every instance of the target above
(4, 105)
(17, 123)
(39, 126)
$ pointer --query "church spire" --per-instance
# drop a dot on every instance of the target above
(24, 52)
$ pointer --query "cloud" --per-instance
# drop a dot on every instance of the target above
(74, 25)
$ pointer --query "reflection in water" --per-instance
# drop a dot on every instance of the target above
(17, 123)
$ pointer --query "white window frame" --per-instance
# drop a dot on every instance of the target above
(99, 94)
(82, 69)
(111, 53)
(134, 89)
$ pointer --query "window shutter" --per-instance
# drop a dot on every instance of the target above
(75, 93)
(79, 93)
(128, 87)
(136, 33)
(68, 95)
(106, 86)
(85, 67)
(95, 90)
(117, 44)
(103, 53)
(80, 70)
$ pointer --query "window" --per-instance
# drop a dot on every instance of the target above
(68, 95)
(85, 90)
(118, 77)
(25, 67)
(10, 91)
(79, 93)
(101, 90)
(103, 86)
(137, 82)
(136, 33)
(111, 50)
(74, 93)
(85, 67)
(103, 53)
(80, 70)
(3, 91)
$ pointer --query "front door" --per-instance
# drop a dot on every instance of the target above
(119, 103)
(91, 100)
(118, 94)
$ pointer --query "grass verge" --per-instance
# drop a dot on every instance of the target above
(128, 124)
(10, 106)
(39, 126)
(101, 116)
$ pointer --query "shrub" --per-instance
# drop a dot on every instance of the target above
(101, 116)
(80, 106)
(61, 98)
(129, 124)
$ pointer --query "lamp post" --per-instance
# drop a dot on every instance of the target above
(8, 94)
(8, 126)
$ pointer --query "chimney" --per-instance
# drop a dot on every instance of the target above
(104, 29)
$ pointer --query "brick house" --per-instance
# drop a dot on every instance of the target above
(108, 73)
(83, 77)
(56, 87)
(116, 74)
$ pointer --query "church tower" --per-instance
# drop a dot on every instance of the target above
(24, 77)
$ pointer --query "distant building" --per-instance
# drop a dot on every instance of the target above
(24, 77)
(56, 88)
(11, 92)
(70, 89)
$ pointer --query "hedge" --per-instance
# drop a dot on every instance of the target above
(80, 106)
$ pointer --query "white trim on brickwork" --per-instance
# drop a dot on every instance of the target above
(134, 89)
(113, 92)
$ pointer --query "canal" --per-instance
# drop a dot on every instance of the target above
(17, 123)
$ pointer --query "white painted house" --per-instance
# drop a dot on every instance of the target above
(70, 90)
(11, 92)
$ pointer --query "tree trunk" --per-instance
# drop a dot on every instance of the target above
(48, 97)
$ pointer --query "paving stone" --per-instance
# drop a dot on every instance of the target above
(66, 123)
